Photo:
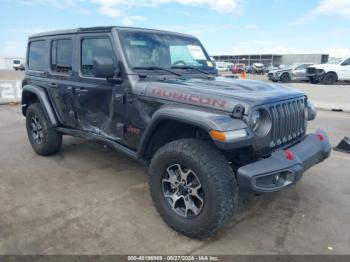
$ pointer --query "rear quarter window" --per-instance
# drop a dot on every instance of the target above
(61, 56)
(37, 55)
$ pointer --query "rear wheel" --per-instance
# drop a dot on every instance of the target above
(193, 187)
(44, 139)
(329, 79)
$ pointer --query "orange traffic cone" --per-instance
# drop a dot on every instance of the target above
(243, 75)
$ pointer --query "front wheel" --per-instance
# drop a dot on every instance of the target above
(44, 139)
(285, 78)
(329, 78)
(193, 187)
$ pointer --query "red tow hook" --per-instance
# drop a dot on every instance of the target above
(321, 137)
(289, 154)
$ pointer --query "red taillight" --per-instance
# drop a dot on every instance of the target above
(289, 154)
(321, 137)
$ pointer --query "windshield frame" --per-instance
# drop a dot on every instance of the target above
(210, 70)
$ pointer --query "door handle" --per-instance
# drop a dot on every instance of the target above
(52, 85)
(119, 97)
(82, 90)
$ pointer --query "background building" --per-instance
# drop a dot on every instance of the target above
(273, 59)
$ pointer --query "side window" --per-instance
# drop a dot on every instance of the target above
(61, 56)
(346, 62)
(301, 67)
(37, 55)
(91, 48)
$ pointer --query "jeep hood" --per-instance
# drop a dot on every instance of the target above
(221, 93)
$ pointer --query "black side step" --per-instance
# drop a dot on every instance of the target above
(91, 136)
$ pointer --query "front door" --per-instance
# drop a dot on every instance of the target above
(99, 102)
(344, 73)
(300, 72)
(61, 80)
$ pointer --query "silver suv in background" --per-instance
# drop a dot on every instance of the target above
(257, 68)
(295, 71)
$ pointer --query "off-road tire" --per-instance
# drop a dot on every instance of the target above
(51, 140)
(285, 78)
(216, 177)
(329, 79)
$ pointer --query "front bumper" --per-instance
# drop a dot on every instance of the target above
(279, 171)
(273, 77)
(318, 75)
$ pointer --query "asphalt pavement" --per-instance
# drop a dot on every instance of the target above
(88, 199)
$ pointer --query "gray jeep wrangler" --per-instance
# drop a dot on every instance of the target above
(155, 96)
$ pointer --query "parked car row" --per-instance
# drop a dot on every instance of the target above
(255, 68)
(330, 73)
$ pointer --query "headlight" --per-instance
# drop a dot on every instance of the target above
(260, 122)
(310, 111)
(255, 120)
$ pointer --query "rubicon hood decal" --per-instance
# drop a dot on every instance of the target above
(222, 94)
(191, 98)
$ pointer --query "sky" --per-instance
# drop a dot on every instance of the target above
(223, 26)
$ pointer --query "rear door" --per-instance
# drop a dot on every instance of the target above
(61, 79)
(99, 102)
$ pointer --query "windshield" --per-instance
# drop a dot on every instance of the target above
(334, 61)
(292, 66)
(16, 62)
(147, 49)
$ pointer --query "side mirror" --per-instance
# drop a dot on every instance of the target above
(104, 67)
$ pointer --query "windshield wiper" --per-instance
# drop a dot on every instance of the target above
(190, 67)
(155, 68)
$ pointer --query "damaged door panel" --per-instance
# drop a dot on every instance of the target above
(99, 102)
(62, 79)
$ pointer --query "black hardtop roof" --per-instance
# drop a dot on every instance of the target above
(101, 29)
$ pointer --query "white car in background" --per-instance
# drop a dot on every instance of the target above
(333, 71)
(17, 64)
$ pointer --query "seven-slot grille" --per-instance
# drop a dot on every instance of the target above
(288, 121)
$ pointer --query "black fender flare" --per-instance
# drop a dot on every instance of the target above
(205, 120)
(40, 94)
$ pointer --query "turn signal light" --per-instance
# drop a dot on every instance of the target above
(218, 135)
(228, 135)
